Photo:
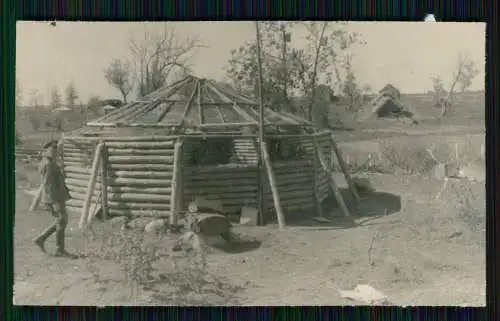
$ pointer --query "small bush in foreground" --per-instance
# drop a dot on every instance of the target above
(179, 278)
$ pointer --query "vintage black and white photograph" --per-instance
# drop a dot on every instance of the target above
(250, 163)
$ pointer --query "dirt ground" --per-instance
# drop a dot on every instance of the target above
(414, 249)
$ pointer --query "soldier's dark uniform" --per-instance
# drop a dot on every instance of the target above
(54, 195)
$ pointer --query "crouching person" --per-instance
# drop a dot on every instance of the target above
(54, 195)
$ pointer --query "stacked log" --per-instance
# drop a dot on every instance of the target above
(295, 181)
(140, 171)
(77, 157)
(235, 185)
(140, 178)
(322, 180)
(246, 151)
(139, 175)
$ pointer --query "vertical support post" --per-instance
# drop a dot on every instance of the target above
(60, 150)
(344, 169)
(319, 208)
(261, 175)
(104, 182)
(262, 149)
(36, 200)
(272, 183)
(336, 191)
(84, 218)
(176, 195)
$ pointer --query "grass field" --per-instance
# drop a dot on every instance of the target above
(416, 249)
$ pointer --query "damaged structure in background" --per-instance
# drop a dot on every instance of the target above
(387, 104)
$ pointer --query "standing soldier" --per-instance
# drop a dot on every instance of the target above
(54, 196)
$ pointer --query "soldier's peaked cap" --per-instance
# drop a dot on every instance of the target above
(50, 143)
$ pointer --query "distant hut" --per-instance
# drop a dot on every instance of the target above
(106, 109)
(387, 107)
(391, 91)
(387, 104)
(195, 138)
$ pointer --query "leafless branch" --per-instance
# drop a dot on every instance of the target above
(157, 56)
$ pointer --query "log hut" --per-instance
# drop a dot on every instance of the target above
(196, 137)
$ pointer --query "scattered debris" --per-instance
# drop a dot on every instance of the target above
(364, 293)
(455, 234)
(210, 206)
(249, 216)
(473, 173)
(322, 219)
(155, 226)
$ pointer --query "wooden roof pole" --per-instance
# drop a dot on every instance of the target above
(265, 161)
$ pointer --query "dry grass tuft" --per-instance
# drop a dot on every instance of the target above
(171, 277)
(404, 158)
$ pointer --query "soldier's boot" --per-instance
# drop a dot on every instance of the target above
(61, 251)
(40, 243)
(40, 239)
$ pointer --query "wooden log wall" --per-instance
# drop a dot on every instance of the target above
(77, 157)
(295, 181)
(322, 180)
(235, 185)
(139, 175)
(245, 150)
(296, 178)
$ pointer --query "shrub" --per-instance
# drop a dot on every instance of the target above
(144, 267)
(408, 157)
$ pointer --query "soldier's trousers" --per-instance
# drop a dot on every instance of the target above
(59, 226)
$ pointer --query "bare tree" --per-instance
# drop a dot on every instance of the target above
(287, 69)
(119, 76)
(355, 95)
(19, 96)
(55, 98)
(35, 98)
(71, 95)
(157, 56)
(462, 77)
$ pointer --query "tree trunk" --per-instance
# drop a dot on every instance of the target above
(444, 108)
(309, 112)
(124, 98)
(315, 72)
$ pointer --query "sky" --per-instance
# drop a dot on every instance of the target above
(405, 54)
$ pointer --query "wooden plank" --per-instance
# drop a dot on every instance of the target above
(77, 170)
(165, 213)
(91, 186)
(147, 145)
(141, 198)
(79, 182)
(335, 189)
(141, 152)
(213, 188)
(272, 183)
(115, 182)
(140, 174)
(140, 167)
(104, 182)
(137, 206)
(79, 176)
(116, 139)
(140, 160)
(191, 183)
(176, 195)
(345, 170)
